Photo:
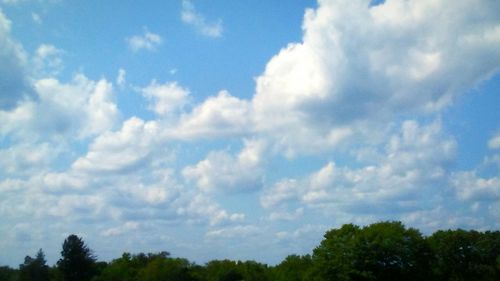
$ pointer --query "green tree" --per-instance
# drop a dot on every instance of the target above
(34, 269)
(293, 268)
(166, 269)
(381, 251)
(8, 274)
(333, 258)
(223, 270)
(77, 262)
(253, 271)
(120, 269)
(466, 255)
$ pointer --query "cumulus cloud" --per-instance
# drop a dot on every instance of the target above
(26, 158)
(414, 162)
(48, 61)
(218, 116)
(77, 109)
(120, 151)
(221, 171)
(201, 207)
(359, 66)
(166, 99)
(470, 186)
(81, 107)
(148, 41)
(190, 16)
(357, 72)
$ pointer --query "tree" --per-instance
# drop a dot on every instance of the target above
(332, 259)
(253, 271)
(223, 270)
(381, 251)
(77, 262)
(293, 268)
(166, 269)
(8, 274)
(466, 255)
(34, 269)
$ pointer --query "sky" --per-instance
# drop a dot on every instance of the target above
(243, 129)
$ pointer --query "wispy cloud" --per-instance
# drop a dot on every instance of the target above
(190, 16)
(494, 142)
(148, 41)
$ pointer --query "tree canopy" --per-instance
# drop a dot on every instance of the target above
(380, 251)
(77, 261)
(34, 269)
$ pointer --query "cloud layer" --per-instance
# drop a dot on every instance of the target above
(345, 125)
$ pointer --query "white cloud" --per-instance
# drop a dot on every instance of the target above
(119, 230)
(148, 41)
(288, 216)
(358, 67)
(238, 231)
(494, 142)
(221, 171)
(201, 207)
(122, 150)
(282, 191)
(190, 16)
(413, 163)
(47, 60)
(82, 107)
(79, 109)
(27, 158)
(470, 186)
(302, 232)
(120, 79)
(219, 116)
(166, 99)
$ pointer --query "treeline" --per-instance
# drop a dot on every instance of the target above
(381, 251)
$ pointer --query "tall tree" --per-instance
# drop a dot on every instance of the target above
(466, 255)
(382, 251)
(77, 262)
(34, 269)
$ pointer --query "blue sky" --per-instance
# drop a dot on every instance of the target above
(243, 130)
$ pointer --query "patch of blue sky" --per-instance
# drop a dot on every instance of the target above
(473, 120)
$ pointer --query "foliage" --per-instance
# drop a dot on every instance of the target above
(380, 251)
(466, 255)
(8, 274)
(223, 270)
(77, 262)
(34, 269)
(293, 268)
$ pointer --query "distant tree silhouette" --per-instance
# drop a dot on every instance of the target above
(385, 251)
(77, 262)
(8, 274)
(34, 269)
